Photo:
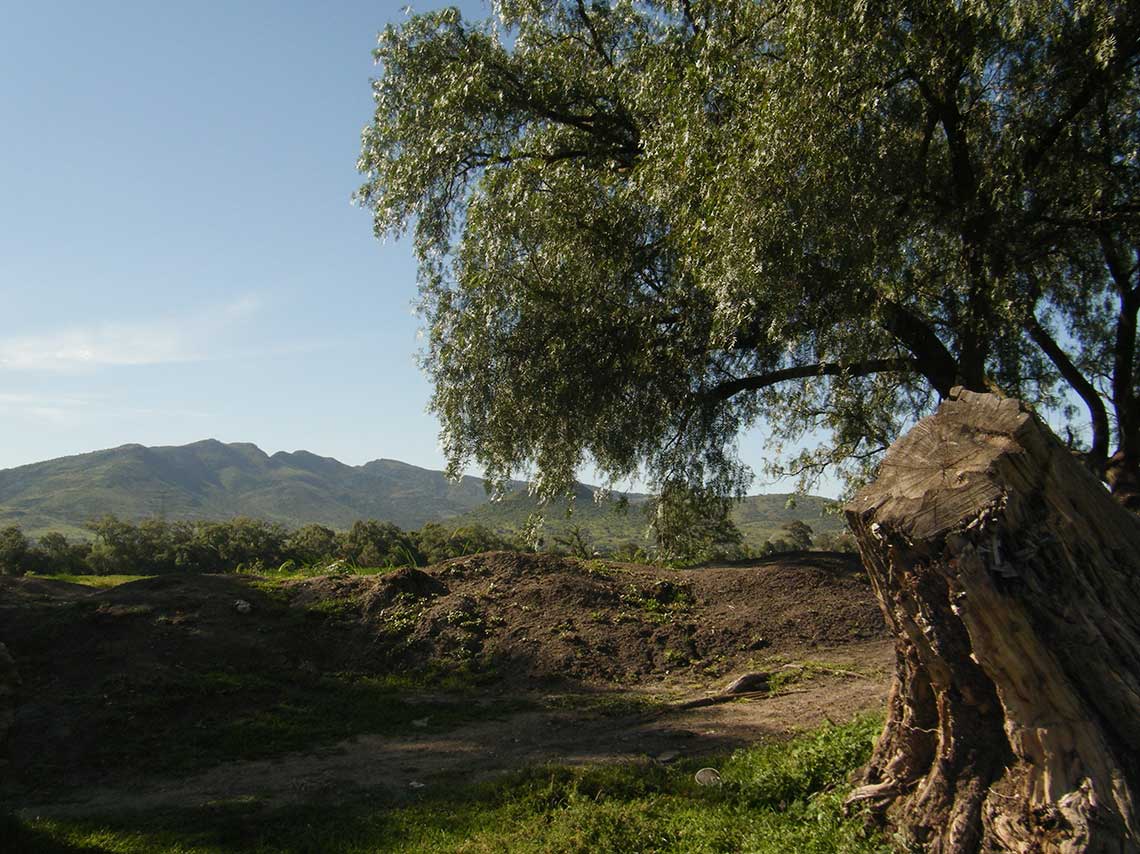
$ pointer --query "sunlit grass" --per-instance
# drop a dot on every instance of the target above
(773, 799)
(93, 580)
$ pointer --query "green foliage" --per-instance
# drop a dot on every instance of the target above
(372, 543)
(622, 529)
(576, 542)
(692, 524)
(437, 543)
(773, 799)
(643, 227)
(14, 549)
(311, 544)
(157, 547)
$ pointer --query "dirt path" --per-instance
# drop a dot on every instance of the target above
(477, 750)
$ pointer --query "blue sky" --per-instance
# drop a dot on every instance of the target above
(179, 257)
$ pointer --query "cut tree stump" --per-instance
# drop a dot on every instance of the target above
(1011, 580)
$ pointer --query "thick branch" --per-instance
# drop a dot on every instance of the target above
(725, 390)
(1098, 453)
(932, 359)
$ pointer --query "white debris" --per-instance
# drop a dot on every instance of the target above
(707, 777)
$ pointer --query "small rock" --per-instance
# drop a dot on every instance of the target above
(416, 784)
(421, 722)
(242, 607)
(707, 777)
(748, 682)
(668, 756)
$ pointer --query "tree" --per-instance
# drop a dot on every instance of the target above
(13, 551)
(436, 542)
(692, 525)
(645, 226)
(312, 544)
(59, 555)
(116, 548)
(576, 541)
(371, 543)
(798, 534)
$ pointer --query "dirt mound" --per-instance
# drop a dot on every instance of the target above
(42, 589)
(175, 673)
(540, 617)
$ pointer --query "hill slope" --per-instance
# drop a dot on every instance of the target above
(212, 480)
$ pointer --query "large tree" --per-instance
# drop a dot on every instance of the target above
(644, 226)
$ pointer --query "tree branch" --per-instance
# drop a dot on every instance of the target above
(1098, 415)
(725, 390)
(598, 46)
(690, 17)
(932, 359)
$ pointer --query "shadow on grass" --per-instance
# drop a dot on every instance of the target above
(773, 798)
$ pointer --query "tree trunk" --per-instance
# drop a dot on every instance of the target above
(1011, 580)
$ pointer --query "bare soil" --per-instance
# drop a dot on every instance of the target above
(506, 660)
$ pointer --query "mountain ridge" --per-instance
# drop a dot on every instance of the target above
(210, 479)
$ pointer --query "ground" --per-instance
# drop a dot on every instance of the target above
(180, 690)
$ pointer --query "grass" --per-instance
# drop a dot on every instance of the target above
(177, 724)
(92, 580)
(773, 799)
(786, 672)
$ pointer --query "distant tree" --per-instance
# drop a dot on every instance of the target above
(692, 525)
(14, 549)
(56, 554)
(55, 547)
(372, 543)
(312, 544)
(241, 542)
(840, 541)
(575, 540)
(437, 542)
(117, 547)
(798, 534)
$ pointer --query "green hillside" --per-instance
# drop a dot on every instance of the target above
(212, 480)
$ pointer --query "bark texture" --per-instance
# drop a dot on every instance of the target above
(1011, 580)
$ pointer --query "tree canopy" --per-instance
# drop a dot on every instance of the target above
(643, 226)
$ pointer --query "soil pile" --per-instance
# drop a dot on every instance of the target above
(542, 617)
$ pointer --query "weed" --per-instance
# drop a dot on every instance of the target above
(675, 658)
(659, 604)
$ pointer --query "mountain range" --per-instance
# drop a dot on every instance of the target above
(214, 480)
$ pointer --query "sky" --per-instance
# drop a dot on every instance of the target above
(179, 254)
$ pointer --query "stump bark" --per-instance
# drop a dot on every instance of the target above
(1011, 580)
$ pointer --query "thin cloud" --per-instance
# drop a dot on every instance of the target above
(156, 341)
(73, 409)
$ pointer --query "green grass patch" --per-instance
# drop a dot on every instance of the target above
(773, 799)
(786, 672)
(605, 705)
(176, 724)
(93, 580)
